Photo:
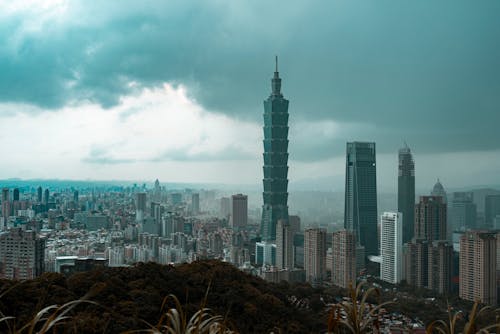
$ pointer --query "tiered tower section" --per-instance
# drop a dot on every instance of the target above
(275, 180)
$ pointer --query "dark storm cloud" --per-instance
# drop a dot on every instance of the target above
(424, 71)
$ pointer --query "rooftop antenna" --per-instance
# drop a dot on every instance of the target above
(276, 63)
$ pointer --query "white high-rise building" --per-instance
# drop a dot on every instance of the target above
(391, 247)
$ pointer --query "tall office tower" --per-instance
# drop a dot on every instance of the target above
(176, 198)
(225, 207)
(15, 194)
(429, 256)
(430, 218)
(440, 266)
(5, 204)
(156, 212)
(360, 214)
(391, 247)
(478, 267)
(239, 211)
(157, 191)
(22, 254)
(46, 196)
(406, 192)
(275, 168)
(315, 255)
(463, 211)
(140, 206)
(76, 196)
(294, 222)
(344, 258)
(39, 194)
(416, 262)
(284, 245)
(438, 190)
(195, 203)
(491, 210)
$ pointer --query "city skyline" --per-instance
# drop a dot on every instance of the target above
(275, 169)
(89, 92)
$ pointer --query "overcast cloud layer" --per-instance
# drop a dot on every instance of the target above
(425, 72)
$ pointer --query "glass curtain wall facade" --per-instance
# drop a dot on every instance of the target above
(275, 168)
(360, 214)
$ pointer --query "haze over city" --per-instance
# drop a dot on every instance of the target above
(174, 90)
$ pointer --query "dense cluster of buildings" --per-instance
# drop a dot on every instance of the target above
(435, 242)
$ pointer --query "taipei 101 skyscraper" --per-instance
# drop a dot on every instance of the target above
(275, 168)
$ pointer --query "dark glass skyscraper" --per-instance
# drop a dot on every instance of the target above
(360, 213)
(275, 168)
(406, 192)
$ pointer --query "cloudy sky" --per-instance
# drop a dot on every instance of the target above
(138, 90)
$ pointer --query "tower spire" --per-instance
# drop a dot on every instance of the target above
(276, 81)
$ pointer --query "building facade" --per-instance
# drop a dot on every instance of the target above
(239, 211)
(22, 254)
(440, 264)
(195, 203)
(416, 262)
(360, 214)
(406, 192)
(315, 255)
(275, 195)
(284, 245)
(463, 211)
(343, 257)
(478, 267)
(391, 247)
(5, 204)
(140, 206)
(430, 218)
(492, 210)
(438, 190)
(429, 256)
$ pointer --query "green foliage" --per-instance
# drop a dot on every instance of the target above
(130, 297)
(117, 300)
(471, 325)
(359, 316)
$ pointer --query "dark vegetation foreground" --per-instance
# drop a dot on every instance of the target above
(127, 298)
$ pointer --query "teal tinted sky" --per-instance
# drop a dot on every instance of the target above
(138, 90)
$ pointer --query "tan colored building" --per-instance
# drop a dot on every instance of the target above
(239, 211)
(344, 258)
(284, 245)
(315, 255)
(440, 266)
(478, 267)
(429, 264)
(22, 254)
(430, 218)
(416, 263)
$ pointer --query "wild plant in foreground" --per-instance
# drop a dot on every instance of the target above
(356, 316)
(46, 319)
(175, 321)
(470, 327)
(49, 317)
